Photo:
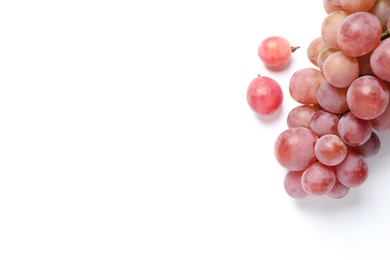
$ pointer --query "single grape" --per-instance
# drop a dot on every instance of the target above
(368, 97)
(294, 148)
(353, 130)
(359, 33)
(330, 149)
(340, 70)
(264, 95)
(293, 185)
(315, 47)
(353, 170)
(275, 51)
(318, 179)
(353, 6)
(303, 85)
(330, 25)
(382, 122)
(380, 60)
(324, 122)
(339, 190)
(301, 116)
(331, 98)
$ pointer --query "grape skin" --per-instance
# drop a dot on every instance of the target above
(301, 116)
(315, 47)
(264, 95)
(318, 179)
(330, 26)
(339, 190)
(359, 33)
(303, 85)
(381, 9)
(340, 70)
(380, 60)
(275, 51)
(324, 122)
(294, 148)
(353, 171)
(331, 98)
(293, 185)
(353, 130)
(368, 97)
(332, 5)
(370, 148)
(353, 6)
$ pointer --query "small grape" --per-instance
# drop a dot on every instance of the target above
(318, 179)
(353, 130)
(324, 122)
(353, 171)
(315, 47)
(380, 60)
(293, 185)
(330, 149)
(330, 25)
(275, 51)
(301, 116)
(331, 98)
(303, 85)
(370, 148)
(264, 95)
(339, 190)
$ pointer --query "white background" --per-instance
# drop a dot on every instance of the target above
(125, 134)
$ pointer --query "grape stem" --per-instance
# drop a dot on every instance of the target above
(294, 48)
(385, 35)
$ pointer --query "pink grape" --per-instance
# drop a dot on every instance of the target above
(318, 179)
(324, 122)
(339, 190)
(294, 148)
(359, 33)
(301, 116)
(293, 185)
(340, 70)
(323, 56)
(382, 122)
(303, 85)
(330, 149)
(368, 97)
(330, 25)
(353, 171)
(353, 130)
(380, 60)
(275, 51)
(331, 98)
(264, 95)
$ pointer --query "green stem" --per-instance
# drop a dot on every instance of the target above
(385, 35)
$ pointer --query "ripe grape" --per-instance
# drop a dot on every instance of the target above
(318, 179)
(294, 148)
(340, 70)
(381, 9)
(324, 55)
(353, 6)
(380, 60)
(324, 122)
(368, 97)
(315, 48)
(353, 130)
(293, 184)
(275, 51)
(331, 98)
(339, 190)
(332, 5)
(264, 95)
(303, 85)
(353, 170)
(370, 148)
(330, 149)
(330, 25)
(359, 33)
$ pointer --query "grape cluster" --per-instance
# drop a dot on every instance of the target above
(343, 101)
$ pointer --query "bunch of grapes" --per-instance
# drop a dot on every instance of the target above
(342, 101)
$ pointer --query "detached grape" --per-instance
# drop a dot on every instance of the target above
(275, 51)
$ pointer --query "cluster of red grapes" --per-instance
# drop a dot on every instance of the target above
(342, 100)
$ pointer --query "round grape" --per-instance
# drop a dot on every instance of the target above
(275, 51)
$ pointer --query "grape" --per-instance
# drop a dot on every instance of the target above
(370, 148)
(382, 122)
(339, 190)
(301, 116)
(331, 98)
(353, 6)
(380, 60)
(293, 185)
(330, 149)
(264, 95)
(368, 97)
(303, 85)
(330, 25)
(332, 5)
(353, 171)
(323, 122)
(294, 148)
(353, 130)
(340, 70)
(359, 33)
(318, 179)
(275, 51)
(315, 48)
(381, 9)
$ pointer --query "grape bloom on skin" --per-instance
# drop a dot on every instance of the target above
(264, 95)
(275, 51)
